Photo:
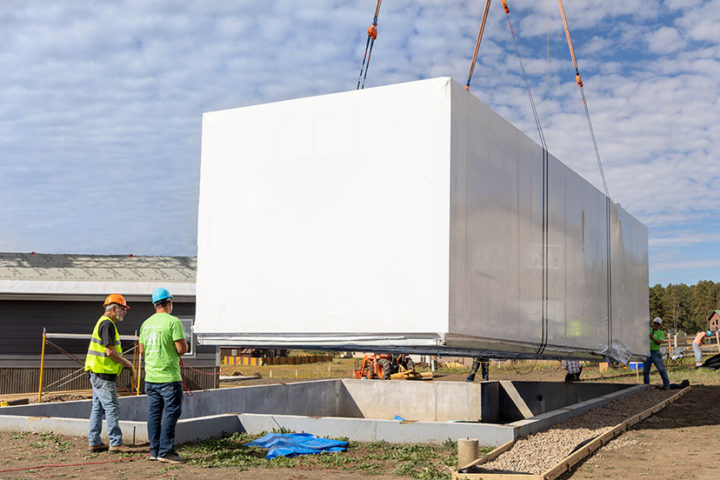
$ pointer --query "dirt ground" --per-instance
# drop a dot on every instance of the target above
(21, 450)
(681, 441)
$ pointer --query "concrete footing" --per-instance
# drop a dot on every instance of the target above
(361, 410)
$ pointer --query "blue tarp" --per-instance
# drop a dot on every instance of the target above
(291, 444)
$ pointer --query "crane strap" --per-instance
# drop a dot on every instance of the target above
(578, 80)
(545, 192)
(477, 43)
(527, 84)
(372, 36)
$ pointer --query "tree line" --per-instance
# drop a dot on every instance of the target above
(684, 307)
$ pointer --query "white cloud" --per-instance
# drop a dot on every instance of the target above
(682, 4)
(687, 264)
(92, 88)
(665, 40)
(684, 239)
(702, 22)
(595, 45)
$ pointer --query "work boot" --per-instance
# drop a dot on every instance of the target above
(171, 458)
(121, 449)
(97, 448)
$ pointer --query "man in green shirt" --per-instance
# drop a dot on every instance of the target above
(162, 341)
(657, 336)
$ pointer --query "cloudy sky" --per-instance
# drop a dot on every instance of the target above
(101, 104)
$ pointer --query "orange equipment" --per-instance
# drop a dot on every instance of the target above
(116, 298)
(383, 365)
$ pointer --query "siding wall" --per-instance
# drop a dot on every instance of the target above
(22, 323)
(714, 323)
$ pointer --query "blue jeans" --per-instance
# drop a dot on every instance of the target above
(164, 409)
(656, 360)
(104, 402)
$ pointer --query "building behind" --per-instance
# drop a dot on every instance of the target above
(714, 321)
(64, 294)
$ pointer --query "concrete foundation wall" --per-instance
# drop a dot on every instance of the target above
(543, 397)
(546, 420)
(327, 407)
(319, 398)
(418, 401)
(429, 401)
(363, 430)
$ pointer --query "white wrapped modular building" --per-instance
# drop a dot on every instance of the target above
(409, 217)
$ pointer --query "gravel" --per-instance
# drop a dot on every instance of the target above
(541, 451)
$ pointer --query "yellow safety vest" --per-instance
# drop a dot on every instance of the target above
(97, 361)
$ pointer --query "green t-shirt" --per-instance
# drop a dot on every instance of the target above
(158, 335)
(657, 335)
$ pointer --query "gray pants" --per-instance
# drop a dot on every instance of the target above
(698, 353)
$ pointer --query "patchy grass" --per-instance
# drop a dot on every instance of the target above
(45, 440)
(677, 371)
(425, 462)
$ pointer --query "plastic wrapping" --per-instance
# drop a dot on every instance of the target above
(409, 217)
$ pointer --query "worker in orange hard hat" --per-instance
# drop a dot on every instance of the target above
(104, 362)
(116, 298)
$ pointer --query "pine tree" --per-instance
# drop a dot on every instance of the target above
(657, 293)
(704, 301)
(677, 303)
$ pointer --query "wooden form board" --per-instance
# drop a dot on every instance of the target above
(571, 460)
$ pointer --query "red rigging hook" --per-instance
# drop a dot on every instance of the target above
(372, 32)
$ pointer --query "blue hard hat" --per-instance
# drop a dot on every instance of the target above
(710, 334)
(159, 294)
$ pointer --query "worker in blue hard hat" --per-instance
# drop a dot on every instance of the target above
(657, 336)
(700, 339)
(162, 341)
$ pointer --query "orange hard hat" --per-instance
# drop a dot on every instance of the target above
(116, 298)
